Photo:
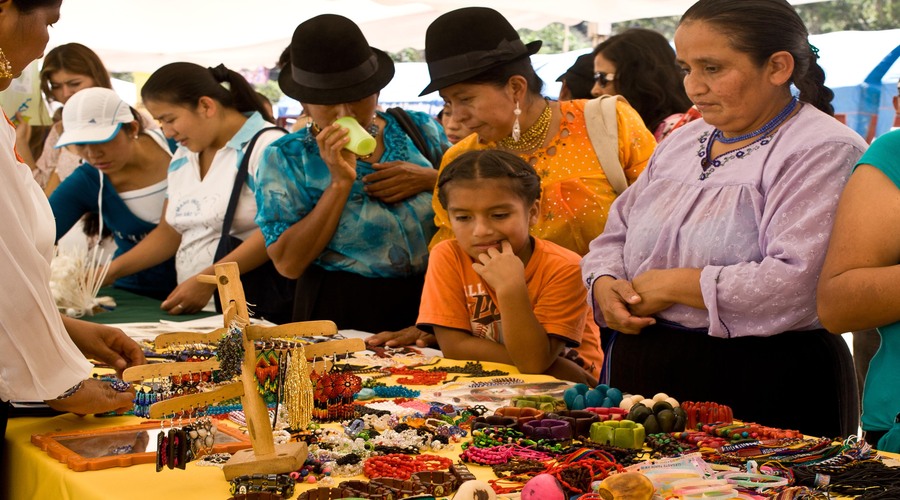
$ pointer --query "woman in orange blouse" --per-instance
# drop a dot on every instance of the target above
(487, 80)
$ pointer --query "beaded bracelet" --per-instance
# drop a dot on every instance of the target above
(548, 428)
(272, 483)
(70, 391)
(394, 465)
(522, 415)
(580, 420)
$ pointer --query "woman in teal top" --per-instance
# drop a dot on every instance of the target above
(859, 287)
(354, 229)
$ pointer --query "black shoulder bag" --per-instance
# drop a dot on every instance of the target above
(415, 134)
(270, 293)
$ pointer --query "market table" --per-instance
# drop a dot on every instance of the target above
(132, 308)
(30, 473)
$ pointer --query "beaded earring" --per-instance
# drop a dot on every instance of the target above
(517, 128)
(5, 66)
(298, 390)
(267, 372)
(372, 129)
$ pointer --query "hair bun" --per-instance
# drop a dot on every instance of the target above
(220, 73)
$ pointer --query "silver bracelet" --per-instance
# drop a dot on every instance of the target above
(71, 390)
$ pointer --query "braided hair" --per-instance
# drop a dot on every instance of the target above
(760, 28)
(492, 164)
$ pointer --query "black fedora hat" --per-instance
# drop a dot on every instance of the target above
(332, 63)
(580, 76)
(466, 42)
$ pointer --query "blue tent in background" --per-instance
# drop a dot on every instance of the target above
(861, 67)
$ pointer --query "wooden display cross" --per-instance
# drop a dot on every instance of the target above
(265, 457)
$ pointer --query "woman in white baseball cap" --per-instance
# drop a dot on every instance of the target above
(123, 178)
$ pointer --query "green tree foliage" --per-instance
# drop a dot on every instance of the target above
(270, 89)
(820, 17)
(557, 38)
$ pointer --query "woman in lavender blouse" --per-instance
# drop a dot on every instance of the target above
(705, 275)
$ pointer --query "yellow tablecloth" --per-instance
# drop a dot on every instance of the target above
(30, 473)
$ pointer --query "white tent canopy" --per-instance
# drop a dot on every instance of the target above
(141, 35)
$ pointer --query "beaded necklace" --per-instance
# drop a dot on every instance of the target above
(533, 137)
(769, 126)
(762, 134)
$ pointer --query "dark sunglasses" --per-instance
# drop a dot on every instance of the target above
(604, 78)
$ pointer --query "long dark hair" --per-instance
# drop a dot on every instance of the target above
(646, 74)
(760, 28)
(492, 164)
(184, 83)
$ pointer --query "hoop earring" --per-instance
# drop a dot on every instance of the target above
(517, 128)
(5, 66)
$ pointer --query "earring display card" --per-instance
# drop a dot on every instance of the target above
(99, 449)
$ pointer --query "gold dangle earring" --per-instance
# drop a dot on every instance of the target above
(5, 66)
(517, 128)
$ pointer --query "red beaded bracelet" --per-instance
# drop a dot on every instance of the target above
(394, 465)
(432, 463)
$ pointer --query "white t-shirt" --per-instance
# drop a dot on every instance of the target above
(39, 361)
(147, 202)
(197, 206)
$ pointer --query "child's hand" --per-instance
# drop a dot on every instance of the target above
(501, 268)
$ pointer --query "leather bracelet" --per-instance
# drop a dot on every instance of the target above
(461, 473)
(325, 493)
(365, 489)
(522, 415)
(494, 421)
(580, 420)
(401, 488)
(437, 483)
(548, 428)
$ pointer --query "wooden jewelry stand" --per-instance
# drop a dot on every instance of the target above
(264, 457)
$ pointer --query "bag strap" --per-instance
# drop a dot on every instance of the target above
(603, 130)
(239, 180)
(415, 134)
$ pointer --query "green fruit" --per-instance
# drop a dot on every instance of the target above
(660, 406)
(666, 419)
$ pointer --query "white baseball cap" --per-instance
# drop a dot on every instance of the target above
(93, 116)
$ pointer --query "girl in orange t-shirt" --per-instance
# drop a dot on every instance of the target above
(495, 293)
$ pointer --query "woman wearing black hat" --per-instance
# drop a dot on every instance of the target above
(488, 81)
(483, 72)
(355, 229)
